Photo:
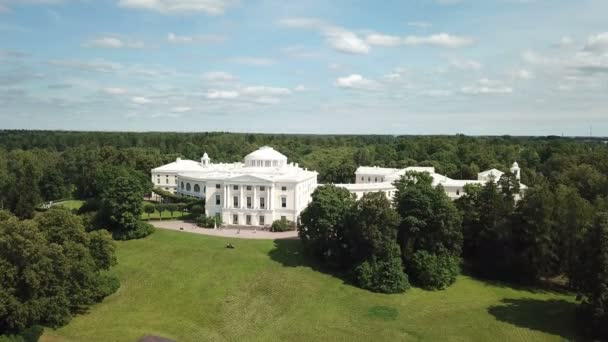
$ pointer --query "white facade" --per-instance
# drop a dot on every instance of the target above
(264, 188)
(374, 179)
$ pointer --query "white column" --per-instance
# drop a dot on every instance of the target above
(225, 203)
(255, 195)
(241, 197)
(271, 205)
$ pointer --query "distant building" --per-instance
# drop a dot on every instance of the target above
(373, 179)
(265, 187)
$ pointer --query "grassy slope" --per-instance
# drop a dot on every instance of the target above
(189, 287)
(71, 204)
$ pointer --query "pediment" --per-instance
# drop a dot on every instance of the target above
(248, 179)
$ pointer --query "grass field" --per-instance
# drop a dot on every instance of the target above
(189, 287)
(71, 204)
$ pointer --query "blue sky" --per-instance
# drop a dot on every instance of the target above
(521, 67)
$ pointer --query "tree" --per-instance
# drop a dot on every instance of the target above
(429, 222)
(171, 207)
(23, 187)
(429, 219)
(323, 224)
(161, 208)
(48, 270)
(149, 208)
(592, 280)
(282, 225)
(374, 251)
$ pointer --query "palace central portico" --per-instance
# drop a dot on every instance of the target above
(264, 188)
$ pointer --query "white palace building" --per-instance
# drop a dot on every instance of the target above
(265, 187)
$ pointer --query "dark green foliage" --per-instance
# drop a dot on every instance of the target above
(592, 279)
(431, 271)
(50, 269)
(429, 219)
(197, 210)
(207, 221)
(382, 273)
(149, 208)
(324, 222)
(282, 225)
(140, 230)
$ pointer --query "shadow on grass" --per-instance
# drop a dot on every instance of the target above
(289, 252)
(556, 317)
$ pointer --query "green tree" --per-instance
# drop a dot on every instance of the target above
(324, 222)
(372, 236)
(161, 208)
(48, 272)
(149, 208)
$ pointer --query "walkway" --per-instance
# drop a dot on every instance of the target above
(224, 232)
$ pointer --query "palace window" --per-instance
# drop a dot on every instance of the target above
(248, 202)
(457, 192)
(248, 187)
(375, 179)
(217, 186)
(197, 188)
(166, 180)
(217, 199)
(261, 220)
(182, 185)
(262, 203)
(235, 201)
(235, 219)
(235, 187)
(362, 178)
(283, 202)
(262, 188)
(283, 218)
(248, 220)
(283, 188)
(188, 187)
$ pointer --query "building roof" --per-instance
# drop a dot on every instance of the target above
(180, 165)
(265, 153)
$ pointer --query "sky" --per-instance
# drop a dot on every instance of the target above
(476, 67)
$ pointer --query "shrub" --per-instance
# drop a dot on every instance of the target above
(433, 272)
(197, 210)
(206, 221)
(142, 229)
(282, 225)
(385, 276)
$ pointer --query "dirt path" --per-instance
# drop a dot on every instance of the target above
(224, 232)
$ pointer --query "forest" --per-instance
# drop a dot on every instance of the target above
(557, 233)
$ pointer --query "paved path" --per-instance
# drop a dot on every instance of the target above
(224, 232)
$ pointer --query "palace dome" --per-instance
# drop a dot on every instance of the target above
(265, 157)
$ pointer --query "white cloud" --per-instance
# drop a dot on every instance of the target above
(218, 76)
(522, 74)
(113, 43)
(300, 88)
(420, 24)
(222, 94)
(469, 65)
(339, 38)
(98, 65)
(345, 41)
(173, 38)
(486, 86)
(140, 100)
(566, 41)
(383, 40)
(597, 43)
(355, 81)
(440, 39)
(263, 90)
(253, 61)
(267, 100)
(210, 7)
(114, 91)
(180, 109)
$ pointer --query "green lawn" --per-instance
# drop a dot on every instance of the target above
(71, 204)
(189, 287)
